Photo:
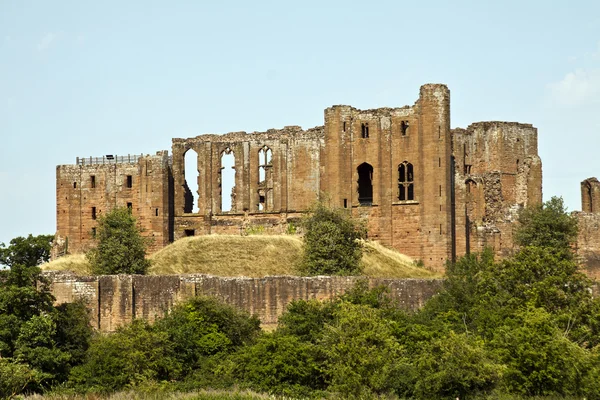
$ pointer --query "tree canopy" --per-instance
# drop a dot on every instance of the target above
(29, 251)
(331, 242)
(120, 247)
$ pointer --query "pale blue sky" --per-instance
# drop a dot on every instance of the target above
(81, 78)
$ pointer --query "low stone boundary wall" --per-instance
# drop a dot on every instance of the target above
(114, 300)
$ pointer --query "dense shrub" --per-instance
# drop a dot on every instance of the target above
(331, 242)
(120, 247)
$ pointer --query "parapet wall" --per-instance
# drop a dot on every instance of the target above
(115, 300)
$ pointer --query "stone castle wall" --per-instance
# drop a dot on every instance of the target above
(115, 300)
(430, 192)
(588, 243)
(93, 186)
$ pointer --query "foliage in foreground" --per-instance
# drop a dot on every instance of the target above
(120, 248)
(523, 327)
(331, 242)
(39, 342)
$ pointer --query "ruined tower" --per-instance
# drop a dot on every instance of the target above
(428, 191)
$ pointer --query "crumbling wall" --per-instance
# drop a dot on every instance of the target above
(290, 184)
(419, 224)
(95, 185)
(497, 173)
(114, 300)
(588, 240)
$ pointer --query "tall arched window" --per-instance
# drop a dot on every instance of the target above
(227, 182)
(406, 180)
(265, 180)
(190, 183)
(365, 184)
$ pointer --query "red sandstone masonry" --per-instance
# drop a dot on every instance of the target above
(468, 183)
(115, 300)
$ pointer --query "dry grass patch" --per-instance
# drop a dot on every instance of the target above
(229, 255)
(382, 262)
(76, 263)
(252, 256)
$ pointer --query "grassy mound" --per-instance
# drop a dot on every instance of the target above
(253, 256)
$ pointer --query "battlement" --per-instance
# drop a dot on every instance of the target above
(393, 167)
(115, 159)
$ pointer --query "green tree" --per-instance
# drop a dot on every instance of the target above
(42, 342)
(203, 327)
(455, 366)
(546, 225)
(120, 249)
(136, 353)
(281, 364)
(29, 251)
(362, 355)
(331, 242)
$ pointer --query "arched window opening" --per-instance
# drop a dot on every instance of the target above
(406, 180)
(404, 128)
(588, 198)
(190, 184)
(227, 181)
(364, 130)
(365, 184)
(265, 179)
(264, 162)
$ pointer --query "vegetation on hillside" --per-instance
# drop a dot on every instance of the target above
(120, 247)
(39, 342)
(252, 256)
(332, 243)
(522, 327)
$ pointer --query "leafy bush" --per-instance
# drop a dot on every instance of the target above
(362, 356)
(547, 225)
(43, 340)
(29, 251)
(174, 347)
(120, 249)
(331, 242)
(281, 364)
(455, 366)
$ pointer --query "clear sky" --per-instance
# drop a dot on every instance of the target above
(87, 78)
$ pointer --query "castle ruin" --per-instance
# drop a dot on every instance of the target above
(430, 192)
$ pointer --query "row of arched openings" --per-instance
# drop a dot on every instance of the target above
(406, 183)
(226, 179)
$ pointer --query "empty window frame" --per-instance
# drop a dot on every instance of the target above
(130, 206)
(365, 184)
(406, 180)
(191, 198)
(74, 185)
(94, 215)
(227, 180)
(93, 181)
(265, 165)
(404, 128)
(129, 182)
(364, 130)
(189, 232)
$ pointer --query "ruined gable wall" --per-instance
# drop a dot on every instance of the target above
(291, 184)
(588, 241)
(101, 184)
(115, 300)
(497, 172)
(419, 227)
